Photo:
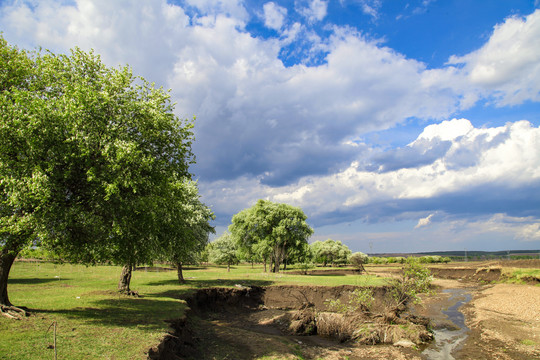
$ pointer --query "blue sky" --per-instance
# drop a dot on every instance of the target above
(397, 126)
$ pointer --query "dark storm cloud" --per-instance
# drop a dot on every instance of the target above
(421, 152)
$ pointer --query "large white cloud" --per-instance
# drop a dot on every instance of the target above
(507, 67)
(291, 133)
(139, 33)
(271, 117)
(277, 123)
(504, 172)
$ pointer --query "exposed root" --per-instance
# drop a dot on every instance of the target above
(129, 293)
(14, 312)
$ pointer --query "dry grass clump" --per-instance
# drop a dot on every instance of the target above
(337, 325)
(304, 322)
(357, 319)
(365, 330)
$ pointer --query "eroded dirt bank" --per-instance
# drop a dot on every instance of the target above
(250, 323)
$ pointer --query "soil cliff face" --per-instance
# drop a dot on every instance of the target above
(251, 322)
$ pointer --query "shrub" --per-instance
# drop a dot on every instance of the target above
(416, 279)
(358, 259)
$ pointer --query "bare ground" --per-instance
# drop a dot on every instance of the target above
(505, 323)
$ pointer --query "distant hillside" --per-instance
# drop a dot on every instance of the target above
(469, 254)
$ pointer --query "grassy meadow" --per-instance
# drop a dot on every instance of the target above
(93, 321)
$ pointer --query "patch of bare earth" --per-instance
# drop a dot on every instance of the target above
(505, 323)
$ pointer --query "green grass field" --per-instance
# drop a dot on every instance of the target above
(93, 321)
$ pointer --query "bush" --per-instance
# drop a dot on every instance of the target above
(416, 279)
(358, 259)
(377, 260)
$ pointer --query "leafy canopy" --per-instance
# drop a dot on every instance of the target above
(93, 161)
(271, 230)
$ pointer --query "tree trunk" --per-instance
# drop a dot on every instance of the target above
(276, 264)
(228, 267)
(180, 274)
(6, 260)
(125, 280)
(7, 257)
(264, 264)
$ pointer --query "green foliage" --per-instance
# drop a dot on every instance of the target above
(415, 279)
(330, 252)
(335, 305)
(358, 259)
(271, 231)
(360, 299)
(306, 266)
(223, 250)
(37, 253)
(186, 235)
(89, 156)
(432, 259)
(377, 260)
(94, 165)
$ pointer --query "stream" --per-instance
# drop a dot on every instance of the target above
(449, 328)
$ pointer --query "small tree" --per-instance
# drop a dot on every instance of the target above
(415, 279)
(186, 227)
(330, 251)
(223, 251)
(358, 259)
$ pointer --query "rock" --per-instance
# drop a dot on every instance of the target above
(405, 343)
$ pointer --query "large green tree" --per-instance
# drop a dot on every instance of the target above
(272, 229)
(89, 156)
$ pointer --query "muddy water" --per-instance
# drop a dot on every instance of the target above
(449, 328)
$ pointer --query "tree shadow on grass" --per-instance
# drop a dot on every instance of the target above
(33, 281)
(148, 313)
(198, 284)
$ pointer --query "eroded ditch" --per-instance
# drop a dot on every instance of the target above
(253, 322)
(288, 322)
(449, 328)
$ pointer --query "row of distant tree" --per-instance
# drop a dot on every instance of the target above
(226, 251)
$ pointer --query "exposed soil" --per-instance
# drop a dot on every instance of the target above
(505, 323)
(247, 323)
(330, 271)
(483, 274)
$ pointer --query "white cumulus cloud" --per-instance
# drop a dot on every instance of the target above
(274, 15)
(315, 11)
(507, 67)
